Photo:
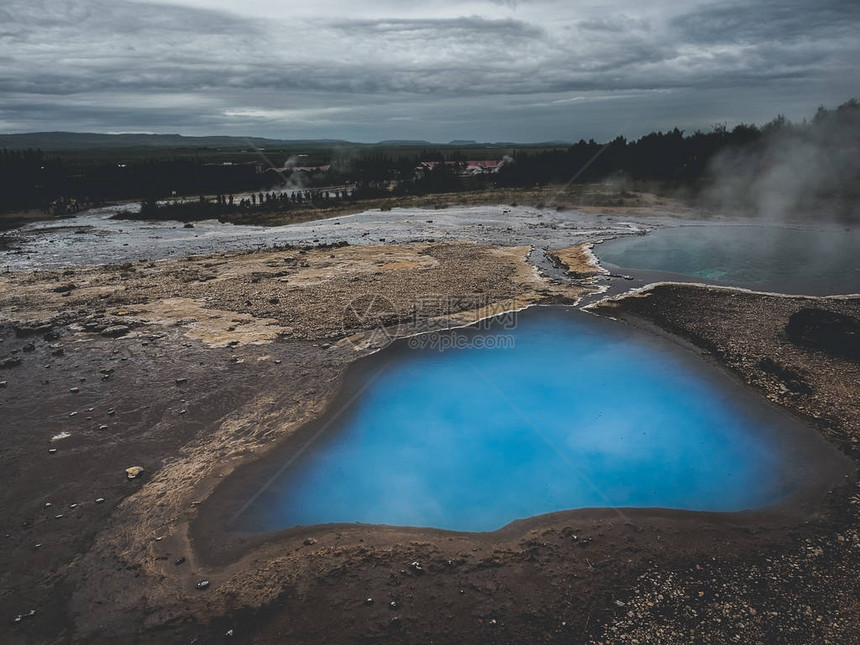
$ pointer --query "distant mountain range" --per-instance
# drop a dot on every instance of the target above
(58, 141)
(84, 140)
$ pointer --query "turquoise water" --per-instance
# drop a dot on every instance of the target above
(580, 412)
(769, 258)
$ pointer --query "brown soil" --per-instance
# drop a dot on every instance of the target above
(9, 221)
(226, 357)
(578, 261)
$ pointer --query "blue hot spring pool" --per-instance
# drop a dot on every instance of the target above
(767, 258)
(563, 412)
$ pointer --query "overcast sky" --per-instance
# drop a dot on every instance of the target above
(491, 70)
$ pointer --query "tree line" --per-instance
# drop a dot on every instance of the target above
(33, 179)
(685, 159)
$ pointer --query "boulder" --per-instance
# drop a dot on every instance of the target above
(827, 331)
(115, 331)
(32, 327)
(134, 472)
(12, 361)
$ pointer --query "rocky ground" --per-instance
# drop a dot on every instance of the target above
(605, 198)
(195, 369)
(807, 591)
(578, 261)
(185, 368)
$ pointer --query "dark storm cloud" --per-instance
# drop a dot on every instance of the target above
(742, 44)
(80, 46)
(81, 63)
(613, 24)
(467, 27)
(782, 21)
(21, 18)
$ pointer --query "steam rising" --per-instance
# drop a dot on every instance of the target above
(809, 171)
